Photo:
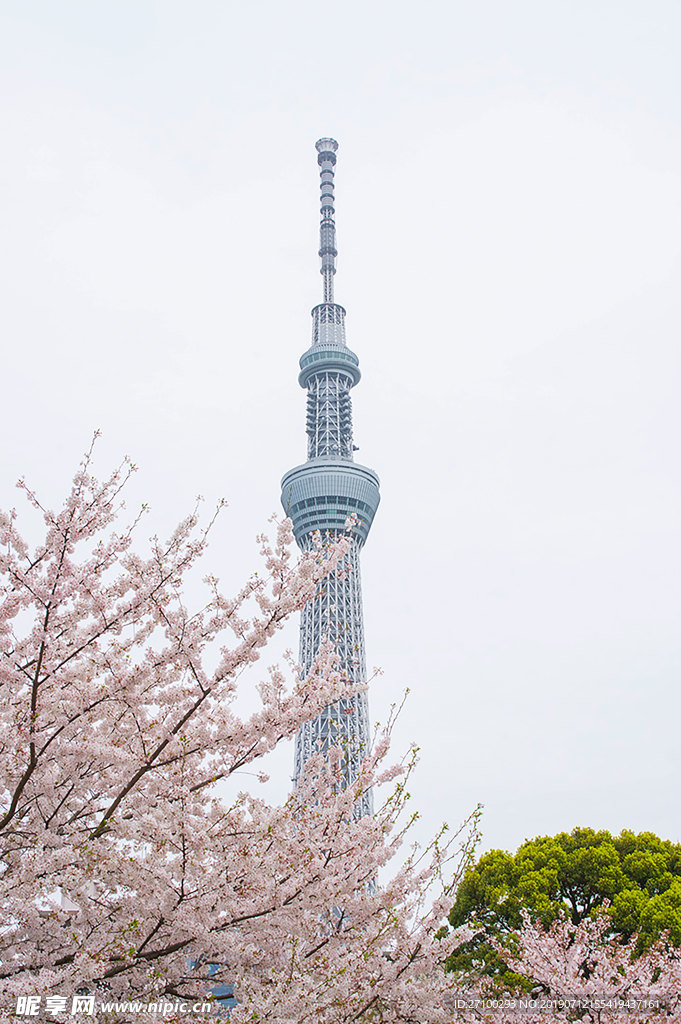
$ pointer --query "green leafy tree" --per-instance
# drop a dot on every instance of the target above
(635, 877)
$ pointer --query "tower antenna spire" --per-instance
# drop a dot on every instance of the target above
(326, 158)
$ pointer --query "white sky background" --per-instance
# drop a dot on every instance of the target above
(508, 220)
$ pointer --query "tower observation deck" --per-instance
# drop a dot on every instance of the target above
(320, 495)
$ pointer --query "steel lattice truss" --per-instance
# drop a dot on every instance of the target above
(329, 415)
(318, 496)
(336, 613)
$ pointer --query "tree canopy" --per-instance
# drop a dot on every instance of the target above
(124, 870)
(635, 876)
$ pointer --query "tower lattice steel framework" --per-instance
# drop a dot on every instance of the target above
(320, 495)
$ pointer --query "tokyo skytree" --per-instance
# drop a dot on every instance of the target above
(320, 495)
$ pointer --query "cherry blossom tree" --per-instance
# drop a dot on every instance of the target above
(589, 965)
(580, 972)
(124, 873)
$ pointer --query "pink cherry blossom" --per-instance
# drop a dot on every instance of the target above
(124, 872)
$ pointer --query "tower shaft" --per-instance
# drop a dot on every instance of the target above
(319, 496)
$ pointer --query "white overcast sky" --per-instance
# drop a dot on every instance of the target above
(508, 221)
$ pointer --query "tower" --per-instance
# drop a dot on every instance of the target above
(320, 495)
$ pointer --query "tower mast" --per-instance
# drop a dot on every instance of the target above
(320, 495)
(326, 149)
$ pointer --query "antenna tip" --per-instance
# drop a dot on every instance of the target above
(326, 146)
